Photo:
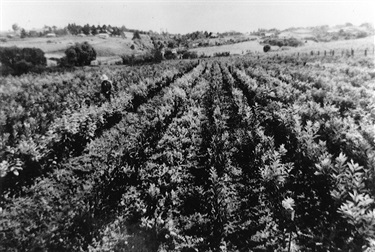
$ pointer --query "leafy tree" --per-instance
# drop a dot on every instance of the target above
(266, 48)
(123, 28)
(81, 54)
(21, 61)
(61, 31)
(47, 28)
(136, 35)
(15, 27)
(74, 29)
(86, 29)
(23, 33)
(94, 31)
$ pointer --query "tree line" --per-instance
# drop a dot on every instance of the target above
(17, 61)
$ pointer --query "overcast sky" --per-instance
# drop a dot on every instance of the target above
(182, 16)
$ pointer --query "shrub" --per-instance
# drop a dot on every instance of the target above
(190, 55)
(362, 34)
(22, 60)
(80, 54)
(170, 55)
(222, 54)
(136, 35)
(284, 42)
(139, 59)
(266, 48)
(158, 55)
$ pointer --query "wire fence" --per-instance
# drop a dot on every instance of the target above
(337, 52)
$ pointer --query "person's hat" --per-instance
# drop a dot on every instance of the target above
(104, 77)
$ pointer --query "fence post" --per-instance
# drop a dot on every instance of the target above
(365, 52)
(325, 52)
(333, 52)
(352, 52)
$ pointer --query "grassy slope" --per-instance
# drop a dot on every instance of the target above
(55, 47)
(106, 48)
(255, 46)
(300, 33)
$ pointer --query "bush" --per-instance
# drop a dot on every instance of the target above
(170, 55)
(362, 34)
(284, 42)
(136, 35)
(266, 48)
(222, 54)
(189, 55)
(80, 54)
(139, 59)
(22, 60)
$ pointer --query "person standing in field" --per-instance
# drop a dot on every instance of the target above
(106, 87)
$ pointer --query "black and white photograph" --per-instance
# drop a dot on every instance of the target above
(187, 126)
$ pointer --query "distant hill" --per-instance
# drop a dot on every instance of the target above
(105, 47)
(326, 33)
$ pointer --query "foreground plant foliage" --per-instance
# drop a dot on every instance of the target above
(234, 154)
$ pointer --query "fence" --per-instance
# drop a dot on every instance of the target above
(338, 52)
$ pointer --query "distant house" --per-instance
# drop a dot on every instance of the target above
(103, 35)
(51, 35)
(269, 34)
(174, 51)
(81, 35)
(214, 35)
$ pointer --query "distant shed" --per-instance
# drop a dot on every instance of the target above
(103, 35)
(51, 35)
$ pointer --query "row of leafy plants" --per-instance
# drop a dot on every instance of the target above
(231, 154)
(43, 114)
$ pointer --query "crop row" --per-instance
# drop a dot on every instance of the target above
(235, 154)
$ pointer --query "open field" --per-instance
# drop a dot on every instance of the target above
(55, 47)
(313, 32)
(355, 44)
(256, 47)
(115, 46)
(237, 48)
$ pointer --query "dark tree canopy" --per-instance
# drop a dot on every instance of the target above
(22, 60)
(136, 35)
(266, 48)
(81, 54)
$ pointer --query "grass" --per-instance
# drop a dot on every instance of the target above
(117, 46)
(55, 47)
(255, 46)
(238, 48)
